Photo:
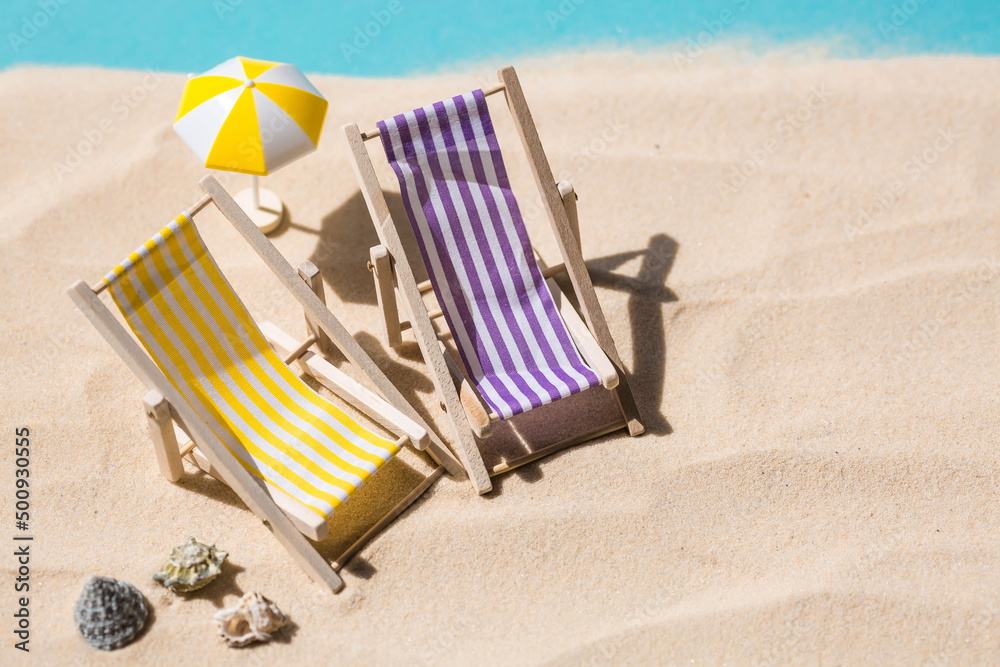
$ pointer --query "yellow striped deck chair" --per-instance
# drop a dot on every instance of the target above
(196, 329)
(291, 454)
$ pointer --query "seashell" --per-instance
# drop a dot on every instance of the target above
(191, 566)
(110, 613)
(252, 620)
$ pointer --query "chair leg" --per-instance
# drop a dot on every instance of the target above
(161, 430)
(381, 266)
(345, 557)
(311, 276)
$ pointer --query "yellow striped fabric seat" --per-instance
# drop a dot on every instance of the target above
(196, 329)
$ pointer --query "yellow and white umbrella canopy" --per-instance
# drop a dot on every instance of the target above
(250, 116)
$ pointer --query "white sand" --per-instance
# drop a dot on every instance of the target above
(819, 482)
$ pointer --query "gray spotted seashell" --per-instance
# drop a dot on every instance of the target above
(110, 613)
(191, 566)
(254, 619)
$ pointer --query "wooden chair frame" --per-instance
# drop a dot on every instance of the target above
(467, 413)
(169, 415)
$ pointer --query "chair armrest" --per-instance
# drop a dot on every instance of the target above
(585, 342)
(569, 197)
(480, 418)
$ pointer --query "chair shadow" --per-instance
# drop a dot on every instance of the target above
(533, 472)
(585, 412)
(360, 568)
(366, 506)
(409, 381)
(341, 252)
(198, 481)
(647, 291)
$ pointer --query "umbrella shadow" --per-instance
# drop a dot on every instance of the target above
(342, 251)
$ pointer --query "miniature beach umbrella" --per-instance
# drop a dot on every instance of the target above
(252, 117)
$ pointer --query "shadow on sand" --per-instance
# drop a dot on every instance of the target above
(647, 292)
(347, 233)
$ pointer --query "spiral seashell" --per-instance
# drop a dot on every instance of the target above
(191, 566)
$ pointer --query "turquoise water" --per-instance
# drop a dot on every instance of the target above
(408, 36)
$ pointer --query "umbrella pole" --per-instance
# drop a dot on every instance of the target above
(261, 205)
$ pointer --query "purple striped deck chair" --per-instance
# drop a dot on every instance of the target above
(522, 343)
(516, 348)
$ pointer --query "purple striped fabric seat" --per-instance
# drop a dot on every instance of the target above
(509, 334)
